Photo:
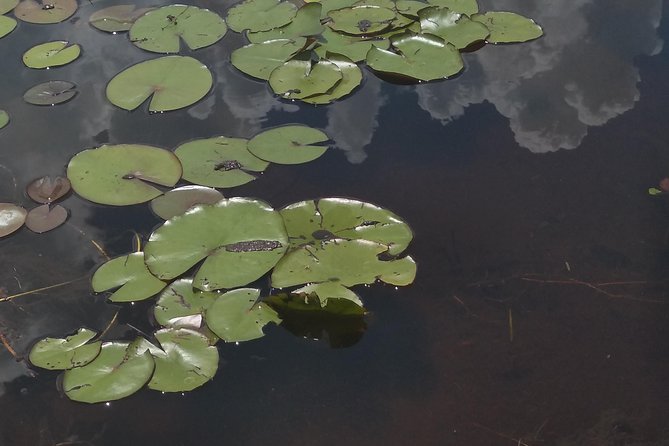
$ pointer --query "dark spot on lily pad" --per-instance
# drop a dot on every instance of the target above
(253, 245)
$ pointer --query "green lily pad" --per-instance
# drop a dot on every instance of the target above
(454, 27)
(298, 79)
(45, 218)
(361, 20)
(188, 361)
(332, 5)
(7, 5)
(508, 27)
(410, 8)
(468, 7)
(314, 221)
(419, 56)
(353, 47)
(50, 93)
(348, 262)
(4, 118)
(51, 54)
(313, 299)
(63, 354)
(351, 78)
(121, 174)
(177, 201)
(219, 162)
(289, 144)
(118, 371)
(179, 300)
(260, 59)
(172, 82)
(240, 238)
(159, 30)
(116, 19)
(306, 23)
(45, 11)
(12, 218)
(131, 274)
(237, 315)
(7, 25)
(260, 15)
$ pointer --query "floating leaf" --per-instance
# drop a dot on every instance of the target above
(260, 59)
(120, 174)
(219, 162)
(332, 5)
(50, 93)
(313, 221)
(12, 218)
(7, 25)
(131, 274)
(419, 56)
(351, 78)
(117, 18)
(177, 201)
(349, 262)
(7, 5)
(298, 79)
(118, 371)
(47, 190)
(238, 316)
(180, 300)
(45, 218)
(314, 299)
(410, 8)
(172, 82)
(468, 7)
(159, 30)
(188, 361)
(240, 238)
(306, 23)
(508, 27)
(260, 15)
(45, 11)
(289, 144)
(353, 47)
(361, 20)
(51, 54)
(4, 118)
(63, 354)
(453, 27)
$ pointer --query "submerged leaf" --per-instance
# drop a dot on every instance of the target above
(4, 118)
(45, 11)
(260, 15)
(46, 190)
(172, 82)
(177, 201)
(508, 27)
(63, 354)
(289, 144)
(117, 18)
(121, 174)
(260, 59)
(299, 79)
(51, 54)
(50, 93)
(12, 218)
(159, 30)
(180, 300)
(7, 25)
(238, 316)
(131, 274)
(45, 218)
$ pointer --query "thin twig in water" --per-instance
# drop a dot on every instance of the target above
(518, 441)
(594, 287)
(9, 348)
(38, 290)
(109, 325)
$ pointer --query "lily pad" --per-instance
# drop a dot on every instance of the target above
(453, 27)
(172, 82)
(159, 30)
(219, 162)
(353, 47)
(237, 315)
(289, 144)
(299, 79)
(7, 5)
(260, 59)
(7, 25)
(118, 371)
(45, 218)
(240, 238)
(348, 262)
(47, 190)
(180, 300)
(508, 27)
(50, 93)
(45, 11)
(63, 354)
(361, 20)
(115, 19)
(351, 78)
(177, 201)
(410, 8)
(468, 7)
(4, 118)
(188, 361)
(327, 298)
(131, 274)
(419, 56)
(260, 15)
(314, 221)
(122, 174)
(332, 5)
(306, 23)
(51, 54)
(12, 218)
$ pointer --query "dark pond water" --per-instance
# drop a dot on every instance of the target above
(539, 314)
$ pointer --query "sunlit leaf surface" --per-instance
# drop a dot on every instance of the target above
(45, 11)
(130, 274)
(289, 144)
(51, 54)
(65, 353)
(237, 315)
(260, 59)
(180, 300)
(508, 27)
(117, 18)
(12, 218)
(260, 15)
(177, 201)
